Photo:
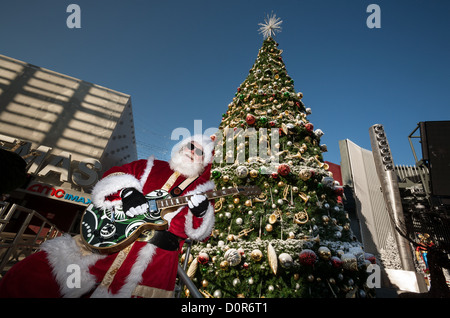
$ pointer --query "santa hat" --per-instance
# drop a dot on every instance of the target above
(206, 142)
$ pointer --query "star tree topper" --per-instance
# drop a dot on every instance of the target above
(271, 25)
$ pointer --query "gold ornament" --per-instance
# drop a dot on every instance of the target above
(244, 232)
(248, 203)
(224, 265)
(301, 217)
(273, 260)
(324, 253)
(256, 255)
(321, 164)
(183, 258)
(236, 200)
(349, 262)
(218, 205)
(205, 283)
(192, 268)
(273, 218)
(261, 198)
(253, 173)
(269, 228)
(226, 178)
(305, 174)
(304, 196)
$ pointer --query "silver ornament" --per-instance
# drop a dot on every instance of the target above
(233, 257)
(286, 260)
(242, 171)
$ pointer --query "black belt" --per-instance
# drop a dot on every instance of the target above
(162, 239)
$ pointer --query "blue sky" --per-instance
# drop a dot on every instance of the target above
(183, 60)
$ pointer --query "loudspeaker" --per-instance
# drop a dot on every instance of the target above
(384, 165)
(435, 139)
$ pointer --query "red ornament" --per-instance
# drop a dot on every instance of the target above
(370, 257)
(272, 124)
(274, 175)
(307, 257)
(339, 191)
(336, 262)
(250, 119)
(283, 170)
(309, 127)
(203, 258)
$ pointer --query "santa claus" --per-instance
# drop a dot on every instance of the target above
(147, 267)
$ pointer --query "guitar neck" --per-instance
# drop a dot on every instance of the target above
(179, 201)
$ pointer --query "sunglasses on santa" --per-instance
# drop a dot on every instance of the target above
(190, 146)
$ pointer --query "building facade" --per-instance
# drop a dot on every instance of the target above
(68, 131)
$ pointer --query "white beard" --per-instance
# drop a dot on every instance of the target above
(179, 162)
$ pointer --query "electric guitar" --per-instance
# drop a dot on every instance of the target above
(109, 230)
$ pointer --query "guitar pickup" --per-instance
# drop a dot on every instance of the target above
(152, 206)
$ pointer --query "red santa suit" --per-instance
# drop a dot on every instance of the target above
(143, 269)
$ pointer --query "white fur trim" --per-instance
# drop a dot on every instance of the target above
(204, 230)
(110, 185)
(144, 258)
(148, 169)
(63, 252)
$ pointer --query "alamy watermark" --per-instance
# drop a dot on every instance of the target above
(74, 278)
(238, 145)
(73, 21)
(374, 19)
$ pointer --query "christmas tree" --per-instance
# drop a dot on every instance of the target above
(294, 239)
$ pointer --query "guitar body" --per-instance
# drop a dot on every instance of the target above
(104, 233)
(109, 231)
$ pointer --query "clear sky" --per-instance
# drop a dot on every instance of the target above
(183, 60)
